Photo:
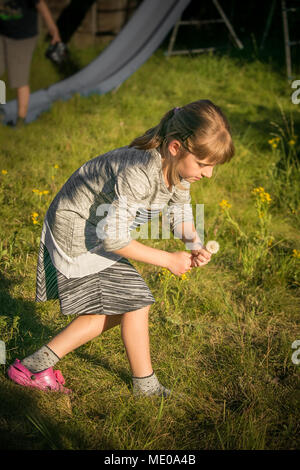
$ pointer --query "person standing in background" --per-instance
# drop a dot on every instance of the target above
(71, 18)
(18, 38)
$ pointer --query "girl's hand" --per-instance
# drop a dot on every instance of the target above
(200, 257)
(180, 262)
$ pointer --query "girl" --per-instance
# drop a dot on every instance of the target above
(86, 239)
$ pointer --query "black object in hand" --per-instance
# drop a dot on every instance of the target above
(57, 52)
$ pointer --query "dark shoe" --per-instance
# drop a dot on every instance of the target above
(20, 122)
(2, 115)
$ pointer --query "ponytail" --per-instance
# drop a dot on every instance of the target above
(155, 136)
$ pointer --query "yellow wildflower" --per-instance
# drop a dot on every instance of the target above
(56, 165)
(4, 172)
(258, 190)
(268, 197)
(263, 195)
(40, 193)
(274, 142)
(34, 216)
(166, 274)
(296, 254)
(224, 204)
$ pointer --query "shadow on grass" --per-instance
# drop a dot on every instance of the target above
(32, 419)
(262, 127)
(123, 373)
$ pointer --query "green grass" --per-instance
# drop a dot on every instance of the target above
(222, 338)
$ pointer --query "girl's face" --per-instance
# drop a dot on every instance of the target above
(191, 168)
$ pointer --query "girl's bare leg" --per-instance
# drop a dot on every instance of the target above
(135, 335)
(81, 330)
(134, 332)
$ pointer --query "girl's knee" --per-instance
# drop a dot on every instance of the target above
(92, 321)
(136, 315)
(140, 311)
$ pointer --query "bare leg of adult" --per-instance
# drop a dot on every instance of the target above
(23, 94)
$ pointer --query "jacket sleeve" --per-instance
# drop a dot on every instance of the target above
(180, 209)
(132, 190)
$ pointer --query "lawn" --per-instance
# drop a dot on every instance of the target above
(222, 337)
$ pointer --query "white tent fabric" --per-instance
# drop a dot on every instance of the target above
(137, 41)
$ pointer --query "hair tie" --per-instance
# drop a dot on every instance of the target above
(186, 136)
(188, 133)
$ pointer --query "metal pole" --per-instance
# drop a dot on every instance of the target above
(232, 32)
(269, 20)
(286, 40)
(173, 37)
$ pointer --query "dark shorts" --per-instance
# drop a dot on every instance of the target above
(115, 290)
(15, 57)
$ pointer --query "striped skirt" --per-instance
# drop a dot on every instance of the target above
(115, 290)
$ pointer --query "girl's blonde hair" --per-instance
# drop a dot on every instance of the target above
(202, 129)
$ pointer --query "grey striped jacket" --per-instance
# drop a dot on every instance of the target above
(98, 204)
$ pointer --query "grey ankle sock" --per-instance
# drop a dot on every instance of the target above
(40, 360)
(149, 385)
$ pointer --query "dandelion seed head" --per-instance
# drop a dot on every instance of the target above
(212, 246)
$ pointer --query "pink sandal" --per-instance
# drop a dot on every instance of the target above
(48, 379)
